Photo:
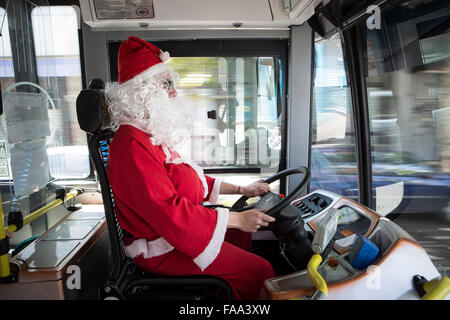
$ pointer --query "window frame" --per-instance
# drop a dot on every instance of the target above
(411, 60)
(224, 48)
(72, 3)
(76, 5)
(354, 50)
(354, 44)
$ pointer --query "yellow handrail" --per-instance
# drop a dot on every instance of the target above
(4, 261)
(41, 211)
(314, 275)
(437, 289)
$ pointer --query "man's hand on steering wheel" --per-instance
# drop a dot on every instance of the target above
(249, 220)
(270, 203)
(254, 189)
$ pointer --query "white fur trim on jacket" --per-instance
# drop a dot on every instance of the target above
(215, 191)
(204, 259)
(197, 168)
(149, 249)
(193, 165)
(160, 246)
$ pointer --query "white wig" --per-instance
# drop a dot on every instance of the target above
(144, 103)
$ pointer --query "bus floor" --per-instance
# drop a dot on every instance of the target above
(432, 231)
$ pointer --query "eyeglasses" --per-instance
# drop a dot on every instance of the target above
(168, 84)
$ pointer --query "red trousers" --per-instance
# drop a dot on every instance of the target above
(244, 271)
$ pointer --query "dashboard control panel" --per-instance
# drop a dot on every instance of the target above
(312, 204)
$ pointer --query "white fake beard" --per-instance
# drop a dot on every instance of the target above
(169, 120)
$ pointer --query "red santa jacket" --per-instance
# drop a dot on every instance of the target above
(158, 200)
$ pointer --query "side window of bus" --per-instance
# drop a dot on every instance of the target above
(409, 107)
(40, 77)
(237, 101)
(59, 73)
(333, 157)
(6, 63)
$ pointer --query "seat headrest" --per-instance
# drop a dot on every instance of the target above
(92, 111)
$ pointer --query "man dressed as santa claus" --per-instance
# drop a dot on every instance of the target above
(158, 192)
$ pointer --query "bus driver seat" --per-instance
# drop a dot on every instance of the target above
(126, 280)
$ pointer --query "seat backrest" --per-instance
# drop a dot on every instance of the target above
(93, 117)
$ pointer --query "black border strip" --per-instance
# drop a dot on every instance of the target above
(354, 46)
(208, 48)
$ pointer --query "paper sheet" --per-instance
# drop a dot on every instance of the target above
(26, 116)
(389, 197)
(347, 241)
(29, 165)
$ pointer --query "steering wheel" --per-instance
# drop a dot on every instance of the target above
(276, 202)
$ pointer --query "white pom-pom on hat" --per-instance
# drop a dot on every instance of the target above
(164, 56)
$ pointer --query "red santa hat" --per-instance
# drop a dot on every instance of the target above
(139, 57)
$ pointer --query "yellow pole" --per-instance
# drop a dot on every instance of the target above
(4, 260)
(41, 211)
(427, 286)
(439, 291)
(314, 275)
